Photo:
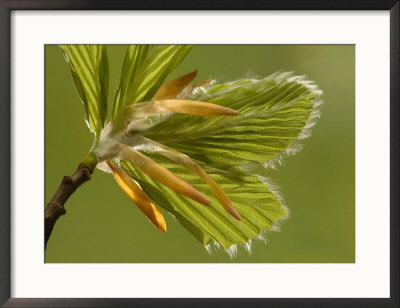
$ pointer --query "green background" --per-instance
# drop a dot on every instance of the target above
(318, 184)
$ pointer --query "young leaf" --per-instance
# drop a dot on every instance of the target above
(258, 206)
(144, 70)
(89, 69)
(274, 112)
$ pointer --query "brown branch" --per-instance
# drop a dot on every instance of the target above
(56, 206)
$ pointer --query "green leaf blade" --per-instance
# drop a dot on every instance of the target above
(89, 69)
(274, 113)
(144, 70)
(214, 222)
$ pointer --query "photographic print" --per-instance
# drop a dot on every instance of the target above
(199, 154)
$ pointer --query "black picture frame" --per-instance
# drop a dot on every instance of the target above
(6, 7)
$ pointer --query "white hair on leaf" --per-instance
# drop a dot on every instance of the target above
(296, 146)
(247, 247)
(274, 188)
(212, 246)
(197, 90)
(232, 251)
(208, 248)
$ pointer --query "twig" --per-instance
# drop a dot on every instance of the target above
(56, 206)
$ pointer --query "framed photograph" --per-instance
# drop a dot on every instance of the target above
(204, 154)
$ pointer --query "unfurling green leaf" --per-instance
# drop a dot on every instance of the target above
(144, 70)
(259, 208)
(274, 113)
(89, 69)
